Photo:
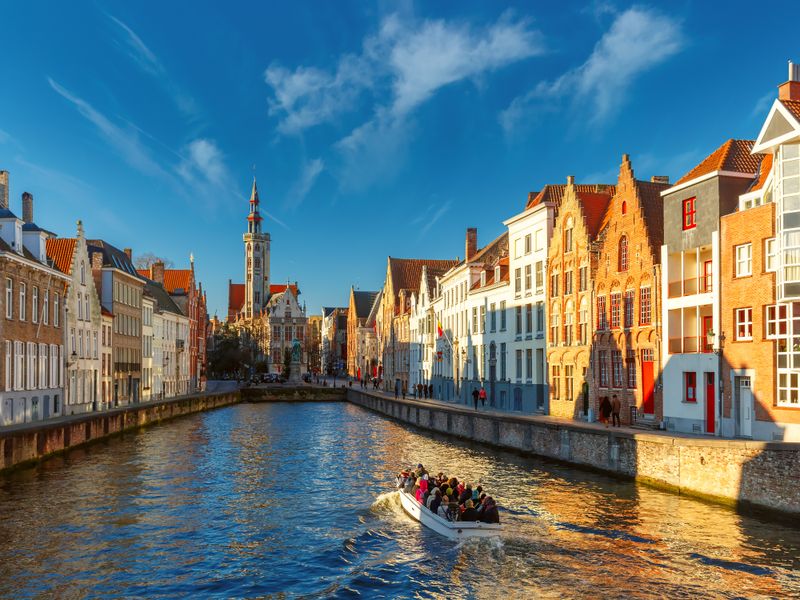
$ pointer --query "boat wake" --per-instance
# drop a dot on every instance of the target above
(388, 505)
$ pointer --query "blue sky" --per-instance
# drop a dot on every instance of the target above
(375, 129)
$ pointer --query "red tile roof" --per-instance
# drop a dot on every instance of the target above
(235, 296)
(733, 155)
(177, 279)
(763, 173)
(61, 251)
(793, 106)
(280, 287)
(406, 273)
(554, 193)
(594, 205)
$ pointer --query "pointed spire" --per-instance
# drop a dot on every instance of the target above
(254, 192)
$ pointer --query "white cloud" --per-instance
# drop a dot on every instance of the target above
(763, 104)
(440, 212)
(308, 176)
(149, 62)
(638, 40)
(203, 160)
(125, 142)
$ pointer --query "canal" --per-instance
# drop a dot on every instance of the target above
(256, 499)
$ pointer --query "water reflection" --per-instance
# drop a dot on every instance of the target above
(254, 500)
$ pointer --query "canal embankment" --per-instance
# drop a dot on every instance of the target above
(280, 393)
(740, 473)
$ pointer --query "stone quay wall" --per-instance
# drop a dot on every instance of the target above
(30, 442)
(293, 394)
(740, 473)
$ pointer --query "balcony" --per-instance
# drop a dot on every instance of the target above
(691, 286)
(687, 330)
(691, 272)
(690, 345)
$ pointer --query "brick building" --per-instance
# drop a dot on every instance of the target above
(626, 349)
(358, 311)
(32, 324)
(571, 268)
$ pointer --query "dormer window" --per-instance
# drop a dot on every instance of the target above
(496, 274)
(483, 278)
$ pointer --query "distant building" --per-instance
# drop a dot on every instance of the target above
(358, 311)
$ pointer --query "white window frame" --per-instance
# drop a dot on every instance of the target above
(35, 304)
(773, 318)
(770, 255)
(743, 254)
(9, 298)
(23, 297)
(744, 317)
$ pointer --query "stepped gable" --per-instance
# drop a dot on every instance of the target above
(733, 155)
(554, 193)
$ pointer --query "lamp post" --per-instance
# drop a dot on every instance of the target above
(710, 336)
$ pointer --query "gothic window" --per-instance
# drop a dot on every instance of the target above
(83, 273)
(624, 207)
(623, 253)
(257, 262)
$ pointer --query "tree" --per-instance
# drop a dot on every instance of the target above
(146, 260)
(229, 356)
(287, 362)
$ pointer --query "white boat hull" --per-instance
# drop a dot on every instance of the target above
(455, 530)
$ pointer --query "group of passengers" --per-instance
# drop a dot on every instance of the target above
(448, 497)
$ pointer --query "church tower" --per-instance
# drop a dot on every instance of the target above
(256, 253)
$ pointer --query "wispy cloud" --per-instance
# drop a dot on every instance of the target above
(4, 137)
(438, 214)
(125, 141)
(308, 177)
(146, 59)
(638, 40)
(399, 68)
(203, 161)
(763, 104)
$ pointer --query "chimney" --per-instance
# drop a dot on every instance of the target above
(570, 179)
(471, 247)
(97, 261)
(791, 89)
(129, 253)
(3, 189)
(157, 272)
(27, 207)
(659, 179)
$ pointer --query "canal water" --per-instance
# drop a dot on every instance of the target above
(294, 500)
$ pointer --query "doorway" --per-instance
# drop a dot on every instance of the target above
(648, 387)
(745, 404)
(710, 404)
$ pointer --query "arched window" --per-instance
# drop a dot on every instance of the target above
(623, 253)
(554, 324)
(583, 321)
(569, 320)
(83, 273)
(624, 207)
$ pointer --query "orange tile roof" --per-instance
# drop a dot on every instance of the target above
(594, 205)
(235, 296)
(733, 155)
(793, 106)
(763, 173)
(144, 273)
(61, 251)
(177, 279)
(280, 287)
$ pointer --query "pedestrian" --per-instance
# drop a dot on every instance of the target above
(475, 395)
(605, 410)
(396, 389)
(430, 390)
(404, 390)
(482, 396)
(615, 408)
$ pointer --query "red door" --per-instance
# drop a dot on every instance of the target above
(710, 408)
(648, 401)
(707, 326)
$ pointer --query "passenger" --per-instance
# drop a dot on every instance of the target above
(423, 487)
(416, 487)
(465, 495)
(453, 482)
(452, 509)
(449, 491)
(476, 494)
(489, 514)
(469, 514)
(441, 510)
(480, 504)
(435, 500)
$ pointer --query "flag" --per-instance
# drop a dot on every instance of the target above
(439, 329)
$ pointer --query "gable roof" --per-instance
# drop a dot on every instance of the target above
(554, 193)
(793, 106)
(733, 155)
(235, 296)
(112, 256)
(61, 252)
(163, 300)
(177, 279)
(594, 206)
(363, 302)
(406, 273)
(281, 287)
(763, 173)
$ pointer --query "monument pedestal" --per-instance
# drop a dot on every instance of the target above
(294, 372)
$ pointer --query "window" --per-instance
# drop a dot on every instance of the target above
(519, 321)
(9, 298)
(689, 214)
(770, 255)
(80, 307)
(583, 321)
(83, 273)
(602, 316)
(503, 315)
(629, 297)
(744, 323)
(9, 354)
(583, 277)
(568, 235)
(689, 386)
(527, 277)
(616, 301)
(539, 277)
(502, 361)
(474, 319)
(540, 317)
(519, 364)
(569, 383)
(528, 364)
(624, 207)
(528, 244)
(616, 368)
(517, 248)
(22, 302)
(568, 282)
(644, 306)
(744, 254)
(538, 238)
(554, 285)
(623, 254)
(555, 384)
(492, 317)
(602, 368)
(528, 319)
(35, 305)
(630, 364)
(776, 321)
(554, 324)
(569, 319)
(483, 318)
(517, 281)
(56, 310)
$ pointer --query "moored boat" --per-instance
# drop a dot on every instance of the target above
(452, 529)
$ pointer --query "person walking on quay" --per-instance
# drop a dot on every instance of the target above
(615, 408)
(475, 395)
(482, 396)
(405, 389)
(605, 410)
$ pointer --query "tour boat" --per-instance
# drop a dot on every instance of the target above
(455, 530)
